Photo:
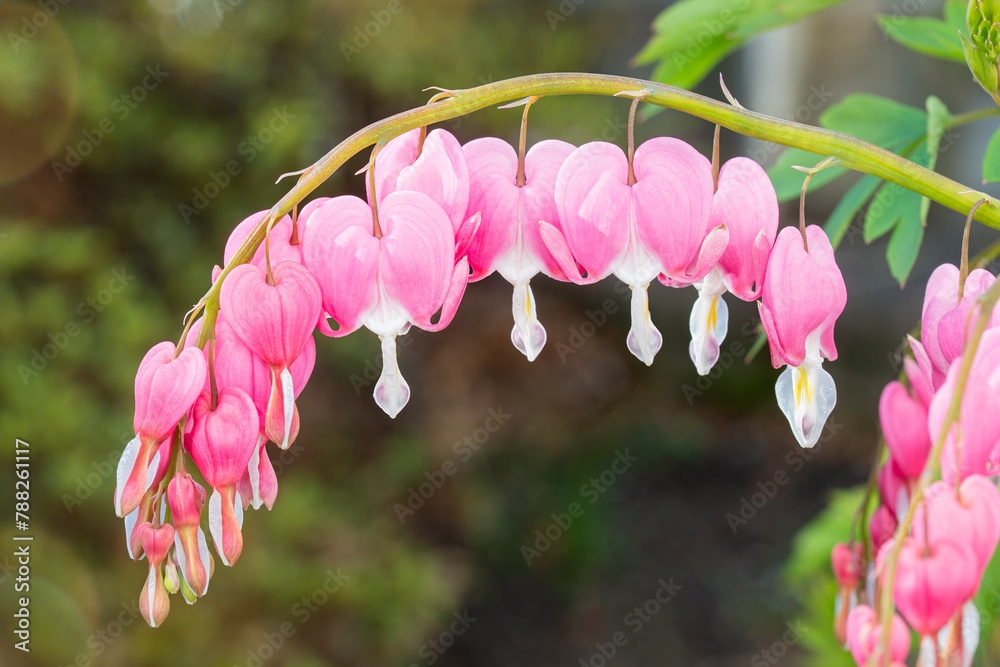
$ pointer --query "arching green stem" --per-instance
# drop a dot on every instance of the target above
(850, 152)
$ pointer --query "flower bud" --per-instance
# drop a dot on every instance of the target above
(982, 47)
(171, 579)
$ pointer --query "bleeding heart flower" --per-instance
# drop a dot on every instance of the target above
(154, 602)
(186, 498)
(882, 526)
(274, 315)
(894, 487)
(904, 425)
(436, 168)
(221, 441)
(803, 295)
(864, 632)
(637, 220)
(165, 389)
(744, 203)
(971, 518)
(508, 239)
(846, 562)
(978, 429)
(280, 247)
(945, 319)
(388, 282)
(933, 581)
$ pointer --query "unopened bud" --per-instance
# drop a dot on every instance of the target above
(982, 47)
(171, 579)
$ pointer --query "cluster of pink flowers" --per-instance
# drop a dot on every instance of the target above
(438, 215)
(956, 526)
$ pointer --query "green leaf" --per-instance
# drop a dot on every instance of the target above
(684, 71)
(904, 246)
(881, 121)
(954, 15)
(703, 32)
(843, 215)
(891, 204)
(991, 161)
(788, 182)
(924, 35)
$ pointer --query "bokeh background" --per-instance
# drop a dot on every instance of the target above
(114, 117)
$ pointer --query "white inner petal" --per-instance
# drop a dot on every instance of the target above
(288, 398)
(644, 339)
(709, 322)
(215, 523)
(130, 521)
(391, 391)
(125, 465)
(528, 335)
(807, 395)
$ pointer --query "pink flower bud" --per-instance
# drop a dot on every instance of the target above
(847, 564)
(187, 498)
(154, 602)
(971, 518)
(882, 527)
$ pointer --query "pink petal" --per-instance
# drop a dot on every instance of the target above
(592, 197)
(673, 203)
(342, 253)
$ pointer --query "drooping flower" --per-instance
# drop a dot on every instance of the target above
(803, 295)
(221, 441)
(864, 632)
(971, 441)
(274, 314)
(431, 163)
(154, 602)
(970, 517)
(636, 219)
(945, 318)
(933, 581)
(744, 203)
(236, 365)
(385, 281)
(187, 498)
(280, 246)
(165, 389)
(847, 564)
(904, 425)
(508, 239)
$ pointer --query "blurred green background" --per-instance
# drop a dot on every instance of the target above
(134, 135)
